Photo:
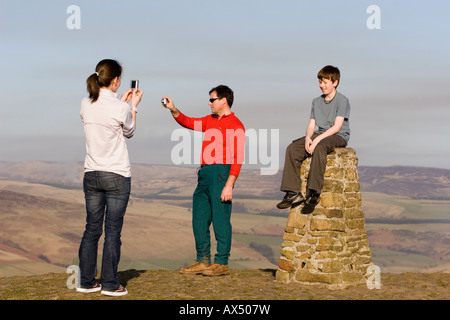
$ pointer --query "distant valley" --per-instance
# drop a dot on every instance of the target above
(42, 214)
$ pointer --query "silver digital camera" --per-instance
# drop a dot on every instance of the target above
(164, 101)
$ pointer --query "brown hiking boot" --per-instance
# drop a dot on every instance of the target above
(195, 268)
(217, 270)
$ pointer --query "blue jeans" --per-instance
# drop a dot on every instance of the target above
(106, 196)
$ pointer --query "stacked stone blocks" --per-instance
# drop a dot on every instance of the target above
(327, 245)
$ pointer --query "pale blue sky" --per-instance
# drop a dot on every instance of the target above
(268, 52)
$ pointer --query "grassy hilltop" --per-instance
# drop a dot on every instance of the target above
(240, 285)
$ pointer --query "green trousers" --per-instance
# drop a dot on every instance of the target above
(208, 208)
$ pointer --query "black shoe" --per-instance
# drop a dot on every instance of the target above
(290, 199)
(313, 198)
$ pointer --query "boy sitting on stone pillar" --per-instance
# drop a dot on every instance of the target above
(329, 113)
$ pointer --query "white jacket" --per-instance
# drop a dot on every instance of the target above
(107, 122)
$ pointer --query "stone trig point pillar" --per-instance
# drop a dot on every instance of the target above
(327, 245)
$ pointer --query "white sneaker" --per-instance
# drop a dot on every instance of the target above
(95, 288)
(120, 291)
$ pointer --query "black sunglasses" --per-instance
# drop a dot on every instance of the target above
(213, 99)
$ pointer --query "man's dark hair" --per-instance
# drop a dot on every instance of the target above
(224, 92)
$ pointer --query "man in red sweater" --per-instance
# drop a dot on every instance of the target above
(221, 160)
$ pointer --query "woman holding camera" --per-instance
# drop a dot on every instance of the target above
(107, 121)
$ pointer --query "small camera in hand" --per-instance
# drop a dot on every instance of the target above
(164, 101)
(134, 84)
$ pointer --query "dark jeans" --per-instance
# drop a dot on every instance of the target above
(296, 153)
(106, 197)
(207, 208)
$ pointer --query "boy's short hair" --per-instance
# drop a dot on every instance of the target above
(330, 73)
(224, 92)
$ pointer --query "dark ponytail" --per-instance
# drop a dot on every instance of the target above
(105, 72)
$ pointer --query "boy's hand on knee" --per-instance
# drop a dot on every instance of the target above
(309, 145)
(312, 147)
